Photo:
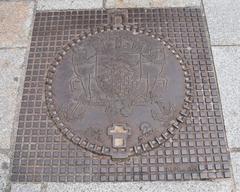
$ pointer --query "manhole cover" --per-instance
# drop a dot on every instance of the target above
(118, 91)
(110, 105)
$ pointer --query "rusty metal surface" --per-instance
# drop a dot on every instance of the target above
(126, 92)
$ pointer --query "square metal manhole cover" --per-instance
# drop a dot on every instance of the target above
(120, 95)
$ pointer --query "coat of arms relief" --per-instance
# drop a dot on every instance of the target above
(116, 86)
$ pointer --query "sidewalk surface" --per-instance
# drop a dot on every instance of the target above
(16, 21)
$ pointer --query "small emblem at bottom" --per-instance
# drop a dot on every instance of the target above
(119, 135)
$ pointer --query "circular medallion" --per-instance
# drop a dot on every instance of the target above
(118, 91)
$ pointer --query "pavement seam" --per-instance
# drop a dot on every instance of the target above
(7, 48)
(235, 150)
(44, 187)
(104, 2)
(230, 45)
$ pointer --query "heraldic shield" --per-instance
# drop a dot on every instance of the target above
(118, 92)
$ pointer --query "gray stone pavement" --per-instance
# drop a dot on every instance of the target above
(12, 62)
(15, 22)
(73, 4)
(224, 21)
(16, 18)
(227, 62)
(150, 3)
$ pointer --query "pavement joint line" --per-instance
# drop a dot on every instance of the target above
(44, 187)
(5, 48)
(235, 149)
(230, 45)
(104, 2)
(223, 21)
(52, 10)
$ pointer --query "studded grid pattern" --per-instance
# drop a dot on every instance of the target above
(198, 151)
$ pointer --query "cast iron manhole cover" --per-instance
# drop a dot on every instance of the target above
(120, 103)
(118, 91)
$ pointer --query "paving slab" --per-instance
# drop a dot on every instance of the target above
(15, 23)
(30, 187)
(191, 186)
(151, 3)
(4, 170)
(223, 19)
(66, 4)
(227, 64)
(12, 69)
(235, 156)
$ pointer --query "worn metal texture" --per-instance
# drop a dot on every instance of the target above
(132, 102)
(119, 91)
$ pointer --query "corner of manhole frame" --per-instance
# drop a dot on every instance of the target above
(121, 153)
